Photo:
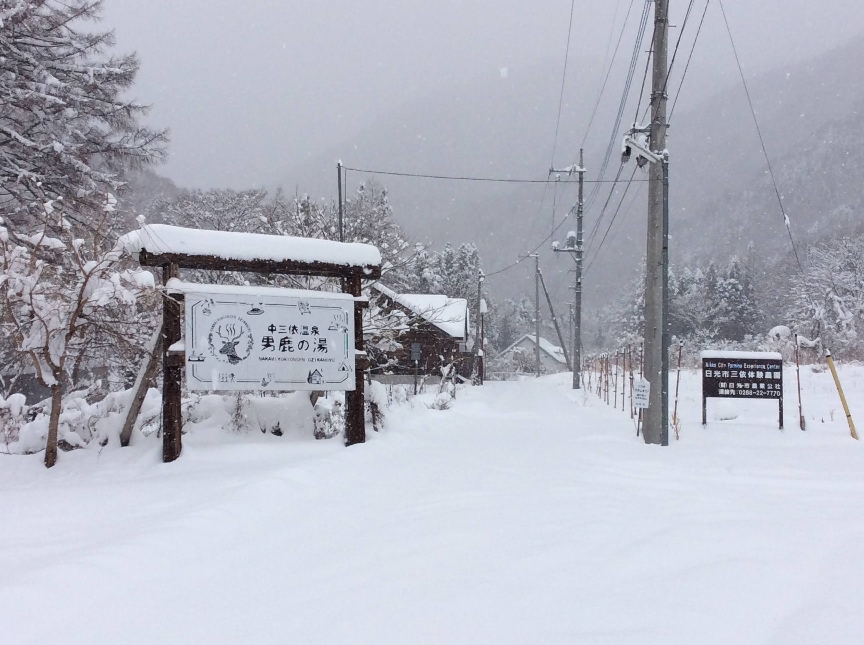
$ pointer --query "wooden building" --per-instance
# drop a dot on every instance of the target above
(413, 334)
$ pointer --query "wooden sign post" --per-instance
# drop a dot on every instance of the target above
(173, 248)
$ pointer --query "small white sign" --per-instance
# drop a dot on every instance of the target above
(254, 340)
(641, 393)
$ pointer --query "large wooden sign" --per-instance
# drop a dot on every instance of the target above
(259, 339)
(742, 375)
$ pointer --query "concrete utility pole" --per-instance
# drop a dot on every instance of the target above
(339, 178)
(537, 312)
(656, 426)
(536, 257)
(574, 246)
(478, 325)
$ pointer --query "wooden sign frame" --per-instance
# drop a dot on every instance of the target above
(173, 363)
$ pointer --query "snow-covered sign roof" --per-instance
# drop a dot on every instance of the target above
(450, 315)
(747, 356)
(552, 350)
(161, 239)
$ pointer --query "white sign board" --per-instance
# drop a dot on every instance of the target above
(641, 393)
(252, 340)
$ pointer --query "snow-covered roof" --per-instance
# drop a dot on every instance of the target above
(450, 315)
(552, 350)
(751, 356)
(160, 239)
(176, 285)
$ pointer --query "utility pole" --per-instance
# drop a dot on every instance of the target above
(536, 257)
(653, 150)
(478, 325)
(482, 371)
(537, 313)
(339, 177)
(574, 246)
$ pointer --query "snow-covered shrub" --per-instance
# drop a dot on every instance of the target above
(329, 420)
(12, 417)
(80, 423)
(443, 401)
(376, 404)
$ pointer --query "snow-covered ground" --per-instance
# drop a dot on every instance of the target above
(527, 513)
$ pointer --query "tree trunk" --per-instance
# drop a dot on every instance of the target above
(53, 424)
(142, 383)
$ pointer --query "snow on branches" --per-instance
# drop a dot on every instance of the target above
(66, 300)
(63, 122)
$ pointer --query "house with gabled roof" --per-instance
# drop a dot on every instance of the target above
(521, 355)
(422, 332)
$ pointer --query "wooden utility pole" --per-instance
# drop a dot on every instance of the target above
(574, 246)
(655, 429)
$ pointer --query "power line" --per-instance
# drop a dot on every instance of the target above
(534, 250)
(675, 53)
(608, 70)
(596, 226)
(689, 58)
(634, 59)
(644, 79)
(612, 221)
(761, 140)
(500, 180)
(563, 81)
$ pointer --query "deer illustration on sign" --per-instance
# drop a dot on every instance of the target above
(229, 345)
(230, 330)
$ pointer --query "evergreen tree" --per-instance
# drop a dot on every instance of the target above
(447, 270)
(66, 130)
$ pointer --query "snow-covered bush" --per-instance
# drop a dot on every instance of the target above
(442, 401)
(79, 423)
(12, 418)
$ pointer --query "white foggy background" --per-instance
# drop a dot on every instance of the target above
(253, 88)
(267, 93)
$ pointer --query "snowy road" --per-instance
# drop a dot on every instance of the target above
(525, 514)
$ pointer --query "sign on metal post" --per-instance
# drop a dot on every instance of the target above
(641, 393)
(742, 375)
(416, 352)
(252, 340)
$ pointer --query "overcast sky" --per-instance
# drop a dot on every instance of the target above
(252, 88)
